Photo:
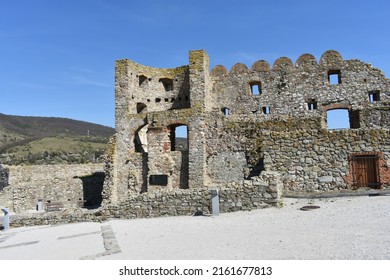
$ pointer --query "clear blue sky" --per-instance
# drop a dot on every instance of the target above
(57, 57)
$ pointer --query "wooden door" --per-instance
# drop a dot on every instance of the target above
(365, 171)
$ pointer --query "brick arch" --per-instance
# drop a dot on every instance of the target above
(336, 106)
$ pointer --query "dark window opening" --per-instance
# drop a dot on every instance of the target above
(334, 77)
(142, 79)
(225, 111)
(255, 88)
(179, 137)
(374, 96)
(166, 99)
(160, 180)
(158, 100)
(266, 110)
(168, 84)
(256, 169)
(312, 104)
(141, 107)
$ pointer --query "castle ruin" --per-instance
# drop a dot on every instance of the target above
(254, 135)
(267, 123)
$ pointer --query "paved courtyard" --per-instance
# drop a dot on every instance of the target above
(341, 228)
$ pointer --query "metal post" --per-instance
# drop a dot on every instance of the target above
(6, 218)
(40, 205)
(215, 202)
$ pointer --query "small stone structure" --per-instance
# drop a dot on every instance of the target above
(267, 123)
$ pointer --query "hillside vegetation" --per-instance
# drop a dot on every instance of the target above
(44, 140)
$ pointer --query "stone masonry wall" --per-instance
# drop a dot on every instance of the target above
(261, 192)
(69, 185)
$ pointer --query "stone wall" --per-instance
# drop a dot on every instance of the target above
(261, 192)
(245, 121)
(69, 185)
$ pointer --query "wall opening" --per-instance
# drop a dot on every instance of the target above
(338, 119)
(168, 83)
(255, 88)
(225, 111)
(312, 104)
(141, 107)
(334, 77)
(374, 96)
(266, 110)
(141, 79)
(141, 140)
(160, 180)
(179, 137)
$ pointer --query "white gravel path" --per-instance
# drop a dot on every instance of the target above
(342, 228)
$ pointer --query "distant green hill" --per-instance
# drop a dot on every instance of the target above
(44, 140)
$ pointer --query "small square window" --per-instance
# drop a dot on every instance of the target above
(266, 110)
(255, 88)
(312, 104)
(334, 77)
(374, 96)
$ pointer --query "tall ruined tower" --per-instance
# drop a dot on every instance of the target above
(150, 104)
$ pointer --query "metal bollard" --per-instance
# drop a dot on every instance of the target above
(40, 205)
(6, 218)
(215, 202)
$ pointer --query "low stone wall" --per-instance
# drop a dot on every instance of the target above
(69, 185)
(260, 192)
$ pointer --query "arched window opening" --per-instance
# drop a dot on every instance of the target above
(141, 107)
(179, 137)
(255, 88)
(338, 119)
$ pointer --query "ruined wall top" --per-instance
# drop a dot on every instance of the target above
(283, 88)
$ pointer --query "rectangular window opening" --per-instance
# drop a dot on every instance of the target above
(167, 83)
(312, 104)
(225, 111)
(142, 79)
(374, 96)
(255, 88)
(159, 180)
(334, 77)
(266, 110)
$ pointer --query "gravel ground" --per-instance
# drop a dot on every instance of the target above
(341, 228)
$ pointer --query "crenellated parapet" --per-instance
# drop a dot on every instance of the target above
(300, 89)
